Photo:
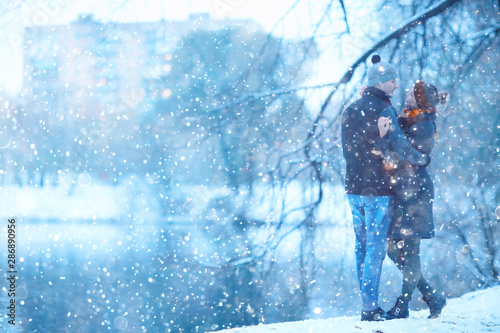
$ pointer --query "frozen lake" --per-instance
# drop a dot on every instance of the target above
(135, 276)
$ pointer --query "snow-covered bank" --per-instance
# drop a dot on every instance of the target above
(473, 312)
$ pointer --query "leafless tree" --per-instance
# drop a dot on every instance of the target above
(429, 43)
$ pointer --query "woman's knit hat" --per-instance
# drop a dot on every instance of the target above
(380, 72)
(427, 96)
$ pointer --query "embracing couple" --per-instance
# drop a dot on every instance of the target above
(389, 188)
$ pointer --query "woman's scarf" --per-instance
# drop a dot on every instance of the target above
(407, 112)
(410, 113)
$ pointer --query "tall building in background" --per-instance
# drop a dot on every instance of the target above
(97, 70)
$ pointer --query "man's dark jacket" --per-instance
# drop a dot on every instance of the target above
(365, 173)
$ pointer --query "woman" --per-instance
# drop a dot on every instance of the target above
(414, 193)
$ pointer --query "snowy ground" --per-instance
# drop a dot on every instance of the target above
(473, 312)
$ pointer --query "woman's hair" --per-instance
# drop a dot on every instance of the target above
(436, 98)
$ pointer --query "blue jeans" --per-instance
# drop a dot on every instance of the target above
(371, 220)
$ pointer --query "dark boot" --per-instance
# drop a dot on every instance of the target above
(398, 311)
(375, 315)
(436, 303)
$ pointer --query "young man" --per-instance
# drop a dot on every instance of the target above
(368, 181)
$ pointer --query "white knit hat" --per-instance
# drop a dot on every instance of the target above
(380, 72)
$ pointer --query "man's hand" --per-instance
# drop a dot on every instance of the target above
(383, 125)
(362, 90)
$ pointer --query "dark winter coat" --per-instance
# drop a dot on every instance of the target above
(414, 190)
(365, 173)
(364, 166)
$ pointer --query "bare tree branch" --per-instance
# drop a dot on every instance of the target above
(256, 96)
(482, 47)
(244, 77)
(345, 15)
(404, 28)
